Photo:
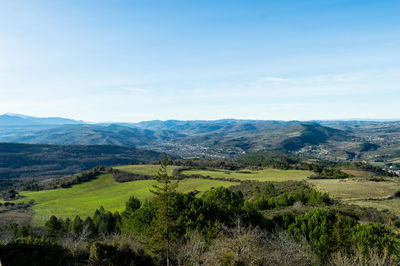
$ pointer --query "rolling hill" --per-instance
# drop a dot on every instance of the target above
(328, 140)
(47, 161)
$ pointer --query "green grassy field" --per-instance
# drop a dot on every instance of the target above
(260, 175)
(146, 169)
(84, 199)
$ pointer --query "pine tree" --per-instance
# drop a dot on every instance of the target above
(53, 226)
(77, 225)
(163, 233)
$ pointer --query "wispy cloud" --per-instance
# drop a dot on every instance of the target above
(137, 90)
(276, 79)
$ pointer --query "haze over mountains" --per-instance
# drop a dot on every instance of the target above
(333, 140)
(11, 119)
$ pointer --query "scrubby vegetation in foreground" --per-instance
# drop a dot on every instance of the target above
(220, 227)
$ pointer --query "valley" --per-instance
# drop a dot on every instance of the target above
(371, 141)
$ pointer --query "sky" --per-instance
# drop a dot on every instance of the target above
(127, 60)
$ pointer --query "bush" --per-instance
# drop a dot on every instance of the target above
(102, 253)
(361, 258)
(325, 230)
(28, 251)
(242, 245)
(328, 232)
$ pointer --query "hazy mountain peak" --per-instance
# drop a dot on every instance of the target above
(13, 119)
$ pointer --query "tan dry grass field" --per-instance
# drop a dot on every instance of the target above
(353, 189)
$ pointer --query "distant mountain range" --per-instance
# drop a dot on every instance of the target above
(10, 119)
(331, 140)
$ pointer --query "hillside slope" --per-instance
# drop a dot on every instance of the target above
(328, 140)
(30, 161)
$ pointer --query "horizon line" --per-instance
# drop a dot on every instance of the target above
(217, 119)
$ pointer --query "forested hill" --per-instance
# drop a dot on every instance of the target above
(327, 140)
(222, 138)
(26, 161)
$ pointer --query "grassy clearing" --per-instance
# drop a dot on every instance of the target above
(146, 169)
(261, 175)
(349, 189)
(393, 205)
(85, 198)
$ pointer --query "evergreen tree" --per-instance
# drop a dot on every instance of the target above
(90, 227)
(132, 205)
(77, 225)
(163, 233)
(256, 192)
(53, 226)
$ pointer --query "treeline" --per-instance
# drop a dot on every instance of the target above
(328, 173)
(102, 222)
(41, 251)
(264, 158)
(82, 177)
(8, 184)
(278, 160)
(65, 182)
(123, 176)
(207, 163)
(37, 185)
(266, 198)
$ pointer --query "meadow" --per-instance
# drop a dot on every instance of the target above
(85, 198)
(356, 189)
(259, 175)
(391, 205)
(363, 193)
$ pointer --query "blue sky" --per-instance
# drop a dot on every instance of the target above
(123, 60)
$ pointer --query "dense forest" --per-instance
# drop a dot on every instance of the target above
(48, 161)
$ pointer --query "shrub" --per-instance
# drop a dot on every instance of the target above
(361, 258)
(28, 251)
(102, 253)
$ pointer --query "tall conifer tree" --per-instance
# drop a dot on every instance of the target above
(164, 234)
